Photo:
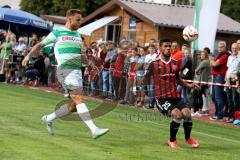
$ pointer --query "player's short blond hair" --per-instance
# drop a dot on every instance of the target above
(72, 12)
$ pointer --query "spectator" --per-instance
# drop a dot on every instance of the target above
(6, 50)
(102, 52)
(94, 48)
(21, 47)
(106, 74)
(238, 44)
(187, 64)
(205, 98)
(12, 38)
(202, 73)
(219, 68)
(176, 52)
(35, 72)
(152, 42)
(131, 80)
(158, 48)
(233, 64)
(140, 73)
(186, 70)
(93, 69)
(2, 36)
(117, 66)
(136, 44)
(151, 56)
(185, 47)
(32, 43)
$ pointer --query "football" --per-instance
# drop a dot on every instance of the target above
(190, 33)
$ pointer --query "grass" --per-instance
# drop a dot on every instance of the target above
(132, 135)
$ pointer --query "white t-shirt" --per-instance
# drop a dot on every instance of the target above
(150, 57)
(233, 65)
(21, 48)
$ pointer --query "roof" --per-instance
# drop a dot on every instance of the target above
(174, 16)
(88, 29)
(13, 3)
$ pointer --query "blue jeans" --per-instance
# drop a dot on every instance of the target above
(95, 88)
(107, 83)
(218, 92)
(151, 93)
(233, 101)
(183, 91)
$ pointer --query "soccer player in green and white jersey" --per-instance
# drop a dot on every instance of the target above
(67, 49)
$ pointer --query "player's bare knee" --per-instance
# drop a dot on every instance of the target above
(186, 114)
(176, 114)
(77, 99)
(72, 106)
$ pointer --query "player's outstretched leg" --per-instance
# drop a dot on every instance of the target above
(187, 125)
(83, 113)
(62, 111)
(49, 124)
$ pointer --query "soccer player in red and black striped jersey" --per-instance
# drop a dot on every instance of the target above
(165, 72)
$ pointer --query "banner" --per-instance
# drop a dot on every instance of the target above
(132, 24)
(206, 21)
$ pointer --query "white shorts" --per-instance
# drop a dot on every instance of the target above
(70, 79)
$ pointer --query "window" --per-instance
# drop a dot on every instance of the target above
(113, 33)
(132, 35)
(110, 33)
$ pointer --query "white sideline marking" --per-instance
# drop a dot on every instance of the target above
(205, 134)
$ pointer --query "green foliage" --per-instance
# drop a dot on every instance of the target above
(60, 7)
(183, 2)
(37, 7)
(56, 7)
(231, 8)
(92, 5)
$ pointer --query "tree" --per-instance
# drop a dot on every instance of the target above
(92, 5)
(231, 8)
(60, 7)
(56, 7)
(37, 7)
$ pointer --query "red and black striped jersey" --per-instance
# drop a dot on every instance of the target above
(165, 77)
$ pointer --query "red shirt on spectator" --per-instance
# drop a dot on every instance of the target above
(222, 68)
(118, 64)
(177, 55)
(106, 65)
(132, 69)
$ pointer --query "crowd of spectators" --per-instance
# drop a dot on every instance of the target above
(114, 71)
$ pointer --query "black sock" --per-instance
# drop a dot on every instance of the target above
(174, 126)
(187, 129)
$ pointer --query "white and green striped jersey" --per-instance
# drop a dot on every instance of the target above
(67, 49)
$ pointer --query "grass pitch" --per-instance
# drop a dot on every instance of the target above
(134, 134)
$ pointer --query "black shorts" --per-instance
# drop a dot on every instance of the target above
(165, 106)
